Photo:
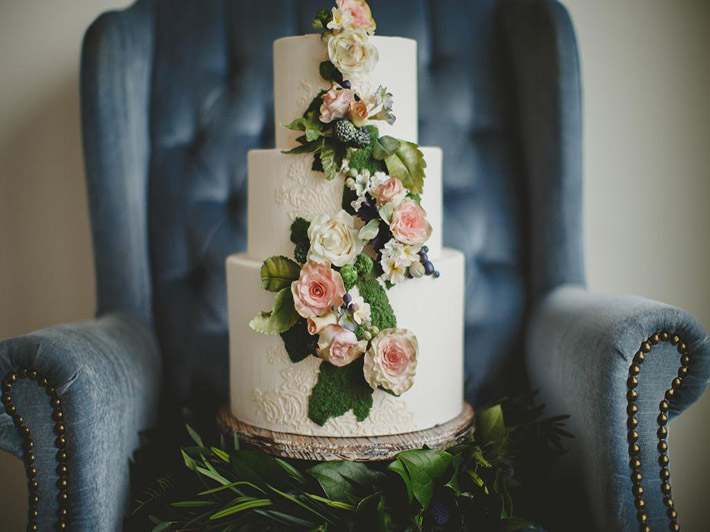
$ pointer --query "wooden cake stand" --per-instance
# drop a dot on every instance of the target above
(366, 448)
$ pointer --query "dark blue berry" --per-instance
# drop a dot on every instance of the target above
(347, 298)
(351, 307)
(424, 258)
(428, 267)
(425, 249)
(346, 84)
(437, 274)
(440, 513)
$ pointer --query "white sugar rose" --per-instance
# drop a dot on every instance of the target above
(352, 53)
(391, 361)
(334, 239)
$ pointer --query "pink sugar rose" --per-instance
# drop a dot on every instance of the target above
(339, 346)
(391, 190)
(391, 361)
(336, 104)
(318, 288)
(409, 224)
(360, 13)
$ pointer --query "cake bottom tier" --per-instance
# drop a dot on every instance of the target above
(271, 392)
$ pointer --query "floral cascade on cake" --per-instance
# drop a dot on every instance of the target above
(331, 297)
(345, 310)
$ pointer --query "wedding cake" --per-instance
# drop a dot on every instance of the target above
(346, 313)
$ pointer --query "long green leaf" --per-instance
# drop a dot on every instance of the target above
(242, 506)
(232, 485)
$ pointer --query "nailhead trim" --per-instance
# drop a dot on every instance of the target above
(28, 445)
(662, 433)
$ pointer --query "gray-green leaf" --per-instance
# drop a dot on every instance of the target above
(407, 164)
(281, 318)
(278, 273)
(328, 160)
(385, 146)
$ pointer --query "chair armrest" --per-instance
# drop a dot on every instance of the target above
(78, 395)
(620, 366)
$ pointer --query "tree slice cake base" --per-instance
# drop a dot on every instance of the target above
(366, 449)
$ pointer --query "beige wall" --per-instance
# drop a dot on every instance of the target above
(646, 80)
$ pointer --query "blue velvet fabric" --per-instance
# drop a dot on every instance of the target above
(580, 346)
(107, 375)
(174, 94)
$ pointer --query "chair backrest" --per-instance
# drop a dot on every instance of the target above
(210, 101)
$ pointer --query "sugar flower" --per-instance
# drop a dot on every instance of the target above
(352, 53)
(339, 346)
(334, 239)
(391, 361)
(408, 223)
(336, 104)
(317, 290)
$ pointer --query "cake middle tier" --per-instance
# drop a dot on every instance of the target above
(283, 187)
(297, 81)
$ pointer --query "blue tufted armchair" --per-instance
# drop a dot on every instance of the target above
(175, 92)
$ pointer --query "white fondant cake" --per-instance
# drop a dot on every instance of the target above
(268, 389)
(297, 81)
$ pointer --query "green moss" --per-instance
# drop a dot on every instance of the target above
(382, 315)
(361, 159)
(299, 230)
(363, 264)
(349, 275)
(298, 343)
(339, 390)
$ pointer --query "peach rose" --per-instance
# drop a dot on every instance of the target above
(336, 104)
(391, 361)
(359, 12)
(391, 190)
(318, 288)
(339, 346)
(358, 113)
(409, 224)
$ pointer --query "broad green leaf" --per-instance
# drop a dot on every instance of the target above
(370, 230)
(346, 481)
(373, 131)
(386, 212)
(282, 317)
(425, 468)
(257, 468)
(407, 164)
(385, 146)
(313, 128)
(490, 425)
(310, 147)
(398, 467)
(329, 72)
(278, 273)
(163, 526)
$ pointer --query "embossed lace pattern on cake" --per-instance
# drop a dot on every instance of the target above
(307, 193)
(286, 408)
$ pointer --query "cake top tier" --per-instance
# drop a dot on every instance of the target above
(298, 80)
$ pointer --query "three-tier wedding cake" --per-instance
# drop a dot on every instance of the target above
(346, 314)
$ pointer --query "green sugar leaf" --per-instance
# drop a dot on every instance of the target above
(299, 230)
(278, 273)
(338, 391)
(384, 147)
(298, 342)
(407, 164)
(329, 72)
(372, 292)
(281, 318)
(330, 161)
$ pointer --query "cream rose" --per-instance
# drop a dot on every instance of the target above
(339, 346)
(336, 104)
(352, 53)
(317, 323)
(391, 191)
(391, 361)
(317, 289)
(334, 239)
(409, 224)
